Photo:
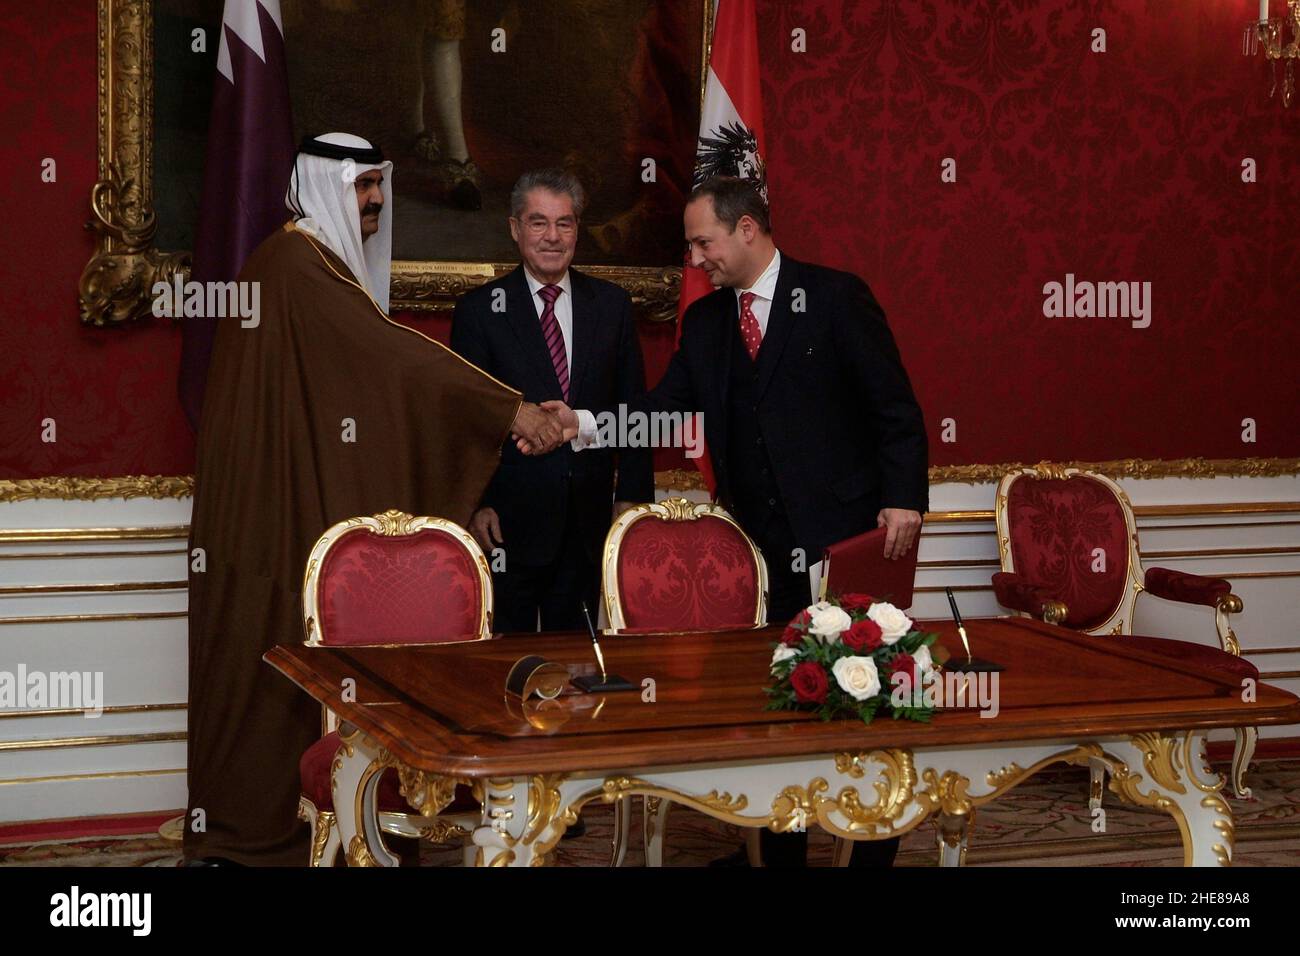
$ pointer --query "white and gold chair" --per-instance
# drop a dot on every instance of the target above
(1068, 547)
(389, 579)
(677, 565)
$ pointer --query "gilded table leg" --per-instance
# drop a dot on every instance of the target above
(622, 831)
(524, 817)
(354, 778)
(952, 831)
(1241, 754)
(1170, 773)
(656, 823)
(1096, 783)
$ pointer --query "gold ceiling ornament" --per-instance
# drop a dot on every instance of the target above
(1270, 32)
(116, 284)
(67, 488)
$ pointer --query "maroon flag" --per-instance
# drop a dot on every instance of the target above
(249, 159)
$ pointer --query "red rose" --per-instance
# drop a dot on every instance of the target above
(794, 632)
(809, 682)
(864, 635)
(905, 664)
(856, 602)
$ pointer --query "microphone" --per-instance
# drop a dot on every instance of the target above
(588, 683)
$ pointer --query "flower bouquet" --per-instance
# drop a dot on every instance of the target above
(845, 657)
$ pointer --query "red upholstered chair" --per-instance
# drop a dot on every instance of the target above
(1069, 553)
(390, 579)
(678, 566)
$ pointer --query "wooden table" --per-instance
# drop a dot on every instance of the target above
(439, 715)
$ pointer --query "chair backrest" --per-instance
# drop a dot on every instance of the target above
(677, 565)
(1072, 531)
(396, 579)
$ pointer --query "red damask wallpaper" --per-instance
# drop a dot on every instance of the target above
(1122, 166)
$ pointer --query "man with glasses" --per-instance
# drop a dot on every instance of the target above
(553, 333)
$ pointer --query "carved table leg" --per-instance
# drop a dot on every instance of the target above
(656, 824)
(1246, 738)
(622, 831)
(1096, 782)
(1170, 773)
(354, 778)
(524, 817)
(953, 829)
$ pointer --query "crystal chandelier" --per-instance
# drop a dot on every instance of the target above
(1269, 33)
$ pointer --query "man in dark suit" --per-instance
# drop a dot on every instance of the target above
(810, 420)
(553, 333)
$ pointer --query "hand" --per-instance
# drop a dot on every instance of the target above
(535, 431)
(485, 526)
(903, 528)
(564, 417)
(622, 506)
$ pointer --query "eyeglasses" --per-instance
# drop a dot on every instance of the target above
(538, 226)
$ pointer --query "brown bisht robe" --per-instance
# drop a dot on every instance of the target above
(273, 474)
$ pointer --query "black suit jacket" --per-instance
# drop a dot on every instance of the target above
(838, 418)
(535, 496)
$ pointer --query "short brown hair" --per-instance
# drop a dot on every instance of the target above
(732, 198)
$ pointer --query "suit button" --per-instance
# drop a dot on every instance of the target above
(754, 408)
(771, 502)
(759, 440)
(764, 472)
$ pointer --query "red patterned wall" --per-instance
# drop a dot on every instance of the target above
(1116, 166)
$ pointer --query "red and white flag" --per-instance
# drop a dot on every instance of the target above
(249, 158)
(731, 141)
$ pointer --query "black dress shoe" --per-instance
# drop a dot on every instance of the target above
(739, 858)
(575, 830)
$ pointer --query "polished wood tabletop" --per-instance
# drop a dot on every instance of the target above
(443, 708)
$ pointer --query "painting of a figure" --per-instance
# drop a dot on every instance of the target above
(464, 96)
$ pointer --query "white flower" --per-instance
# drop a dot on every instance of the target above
(782, 653)
(829, 621)
(819, 606)
(857, 677)
(924, 662)
(893, 622)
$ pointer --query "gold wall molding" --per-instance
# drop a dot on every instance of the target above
(69, 488)
(115, 286)
(78, 711)
(107, 775)
(108, 740)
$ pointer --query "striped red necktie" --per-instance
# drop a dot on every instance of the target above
(554, 338)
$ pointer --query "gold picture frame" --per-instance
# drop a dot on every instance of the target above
(115, 286)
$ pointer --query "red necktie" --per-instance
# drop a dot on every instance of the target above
(554, 338)
(749, 328)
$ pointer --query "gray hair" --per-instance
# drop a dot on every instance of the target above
(553, 179)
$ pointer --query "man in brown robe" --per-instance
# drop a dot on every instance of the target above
(325, 409)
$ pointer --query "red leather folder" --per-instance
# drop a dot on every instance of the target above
(858, 566)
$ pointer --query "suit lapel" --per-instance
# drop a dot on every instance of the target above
(522, 315)
(584, 331)
(780, 320)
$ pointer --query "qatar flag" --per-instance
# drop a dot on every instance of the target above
(731, 134)
(249, 158)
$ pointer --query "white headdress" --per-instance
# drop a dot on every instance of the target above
(322, 194)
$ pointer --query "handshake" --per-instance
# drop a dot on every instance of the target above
(538, 429)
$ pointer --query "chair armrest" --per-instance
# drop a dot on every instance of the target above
(1020, 594)
(1190, 588)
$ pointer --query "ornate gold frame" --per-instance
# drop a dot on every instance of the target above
(115, 284)
(390, 524)
(670, 509)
